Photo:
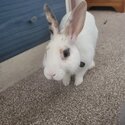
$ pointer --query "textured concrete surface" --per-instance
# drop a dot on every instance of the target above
(37, 101)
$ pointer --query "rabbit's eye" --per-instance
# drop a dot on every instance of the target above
(66, 52)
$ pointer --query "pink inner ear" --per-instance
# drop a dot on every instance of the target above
(76, 21)
(72, 38)
(73, 4)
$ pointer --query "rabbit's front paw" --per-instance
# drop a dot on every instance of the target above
(78, 80)
(66, 80)
(92, 65)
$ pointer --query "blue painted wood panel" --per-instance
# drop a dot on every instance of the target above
(23, 24)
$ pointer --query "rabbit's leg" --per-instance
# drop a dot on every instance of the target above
(92, 65)
(66, 79)
(79, 76)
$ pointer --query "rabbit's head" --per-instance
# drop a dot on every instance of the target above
(62, 54)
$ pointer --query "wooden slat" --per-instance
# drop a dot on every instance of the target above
(17, 34)
(118, 5)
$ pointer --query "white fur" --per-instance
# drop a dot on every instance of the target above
(82, 50)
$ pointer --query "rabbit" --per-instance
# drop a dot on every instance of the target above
(71, 49)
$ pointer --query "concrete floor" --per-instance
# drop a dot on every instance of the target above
(37, 101)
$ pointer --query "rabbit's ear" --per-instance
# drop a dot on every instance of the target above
(76, 20)
(52, 21)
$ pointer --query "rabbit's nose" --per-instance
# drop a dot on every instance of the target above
(49, 74)
(52, 74)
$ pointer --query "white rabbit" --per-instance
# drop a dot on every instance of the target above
(72, 46)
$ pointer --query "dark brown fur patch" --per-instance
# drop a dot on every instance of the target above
(53, 23)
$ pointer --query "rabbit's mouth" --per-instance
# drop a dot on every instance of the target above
(55, 75)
